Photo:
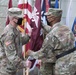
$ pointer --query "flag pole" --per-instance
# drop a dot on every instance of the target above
(23, 34)
(27, 69)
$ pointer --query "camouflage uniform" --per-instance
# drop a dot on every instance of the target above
(10, 50)
(46, 65)
(58, 40)
(46, 28)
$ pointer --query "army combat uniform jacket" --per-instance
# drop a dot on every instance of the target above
(59, 40)
(11, 43)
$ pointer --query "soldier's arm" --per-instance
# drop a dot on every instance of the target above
(46, 48)
(46, 27)
(10, 50)
(25, 39)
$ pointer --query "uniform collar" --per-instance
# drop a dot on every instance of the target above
(56, 24)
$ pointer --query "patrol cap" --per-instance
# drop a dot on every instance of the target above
(15, 12)
(54, 11)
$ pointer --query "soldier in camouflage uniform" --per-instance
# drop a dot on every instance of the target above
(58, 48)
(11, 43)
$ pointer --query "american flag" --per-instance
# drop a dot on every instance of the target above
(26, 6)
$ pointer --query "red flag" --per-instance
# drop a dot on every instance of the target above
(9, 6)
(36, 37)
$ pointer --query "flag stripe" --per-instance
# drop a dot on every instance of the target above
(10, 4)
(29, 13)
(27, 8)
(27, 18)
(22, 6)
(28, 27)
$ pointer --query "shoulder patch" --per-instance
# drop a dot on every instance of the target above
(8, 43)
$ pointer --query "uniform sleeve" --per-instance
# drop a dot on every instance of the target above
(10, 50)
(46, 50)
(46, 28)
(25, 39)
(47, 46)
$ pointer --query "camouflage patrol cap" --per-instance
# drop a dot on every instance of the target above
(15, 12)
(54, 11)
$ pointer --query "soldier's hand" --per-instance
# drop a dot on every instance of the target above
(28, 64)
(39, 62)
(42, 24)
(30, 52)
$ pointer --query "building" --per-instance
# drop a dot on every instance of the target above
(3, 12)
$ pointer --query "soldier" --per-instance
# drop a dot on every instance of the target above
(11, 43)
(58, 48)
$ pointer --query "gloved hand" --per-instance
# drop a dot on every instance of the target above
(32, 54)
